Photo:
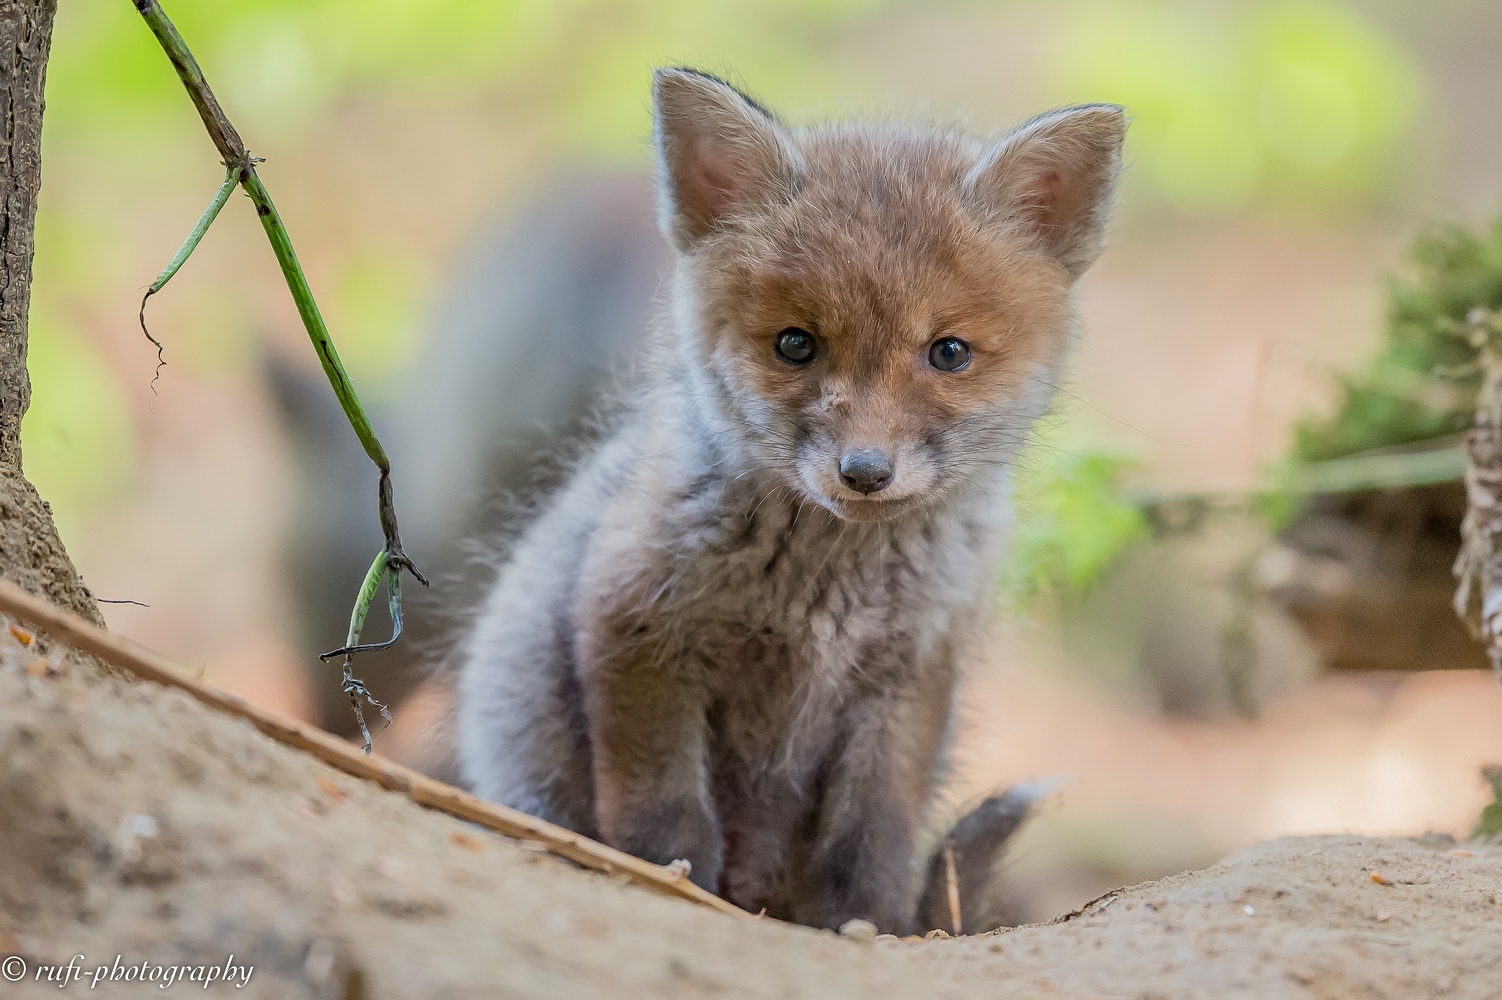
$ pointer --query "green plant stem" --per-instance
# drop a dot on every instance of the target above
(307, 308)
(238, 161)
(241, 167)
(1385, 468)
(196, 236)
(362, 602)
(180, 258)
(355, 688)
(379, 568)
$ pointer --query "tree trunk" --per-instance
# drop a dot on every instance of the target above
(30, 551)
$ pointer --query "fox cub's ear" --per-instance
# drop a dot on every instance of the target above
(1055, 175)
(719, 152)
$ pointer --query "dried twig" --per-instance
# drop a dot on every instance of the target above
(952, 890)
(68, 628)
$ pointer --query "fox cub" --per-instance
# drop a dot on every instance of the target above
(732, 637)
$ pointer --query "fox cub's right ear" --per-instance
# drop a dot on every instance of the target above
(719, 153)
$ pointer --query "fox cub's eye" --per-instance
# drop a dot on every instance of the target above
(949, 354)
(795, 345)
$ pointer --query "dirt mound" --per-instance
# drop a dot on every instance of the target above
(135, 822)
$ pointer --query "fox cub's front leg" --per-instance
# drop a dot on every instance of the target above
(647, 731)
(873, 805)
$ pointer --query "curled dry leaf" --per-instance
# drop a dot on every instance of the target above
(332, 790)
(461, 839)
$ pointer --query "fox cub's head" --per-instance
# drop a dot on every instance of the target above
(878, 309)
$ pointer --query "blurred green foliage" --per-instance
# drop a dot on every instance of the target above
(1490, 823)
(1302, 100)
(1072, 520)
(73, 421)
(374, 294)
(1412, 390)
(1299, 103)
(281, 68)
(281, 61)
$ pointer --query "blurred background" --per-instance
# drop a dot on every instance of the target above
(1226, 613)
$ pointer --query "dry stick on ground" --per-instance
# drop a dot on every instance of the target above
(952, 887)
(241, 169)
(68, 628)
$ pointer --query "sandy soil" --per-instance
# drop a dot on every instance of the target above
(135, 822)
(1142, 795)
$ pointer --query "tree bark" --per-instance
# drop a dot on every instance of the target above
(30, 551)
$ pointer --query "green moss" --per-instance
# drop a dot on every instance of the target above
(1411, 391)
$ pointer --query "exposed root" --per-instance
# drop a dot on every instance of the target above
(161, 355)
(358, 692)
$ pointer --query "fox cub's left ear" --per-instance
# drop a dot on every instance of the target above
(1055, 175)
(720, 154)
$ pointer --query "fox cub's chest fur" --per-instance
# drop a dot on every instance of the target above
(776, 609)
(732, 638)
(739, 562)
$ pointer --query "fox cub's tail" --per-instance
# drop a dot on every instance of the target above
(960, 892)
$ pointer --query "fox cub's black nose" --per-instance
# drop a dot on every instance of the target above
(867, 470)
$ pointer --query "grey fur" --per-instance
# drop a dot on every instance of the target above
(974, 848)
(691, 654)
